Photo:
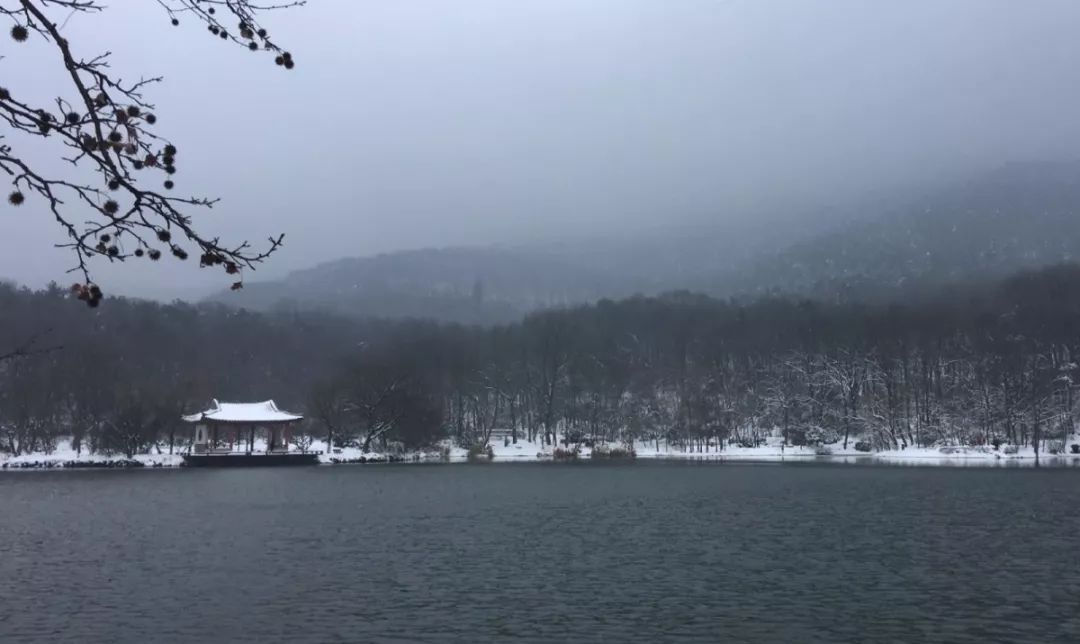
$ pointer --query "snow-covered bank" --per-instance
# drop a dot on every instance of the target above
(775, 451)
(525, 451)
(953, 456)
(66, 457)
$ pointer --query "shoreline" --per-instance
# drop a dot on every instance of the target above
(63, 458)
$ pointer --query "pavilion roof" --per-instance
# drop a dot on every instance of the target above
(255, 413)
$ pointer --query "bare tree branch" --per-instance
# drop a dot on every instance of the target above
(107, 126)
(30, 347)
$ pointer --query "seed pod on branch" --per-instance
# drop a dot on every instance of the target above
(108, 127)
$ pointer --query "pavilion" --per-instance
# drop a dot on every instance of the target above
(230, 430)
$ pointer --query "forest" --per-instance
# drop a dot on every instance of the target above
(987, 363)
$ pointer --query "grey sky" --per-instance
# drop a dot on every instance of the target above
(411, 123)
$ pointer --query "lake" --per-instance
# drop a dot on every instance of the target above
(542, 552)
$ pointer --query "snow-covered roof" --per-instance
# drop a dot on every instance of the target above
(257, 412)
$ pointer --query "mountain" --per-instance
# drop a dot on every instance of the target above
(1019, 216)
(498, 284)
(470, 285)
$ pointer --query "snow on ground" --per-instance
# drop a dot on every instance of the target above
(770, 451)
(774, 450)
(348, 455)
(525, 451)
(66, 456)
(973, 456)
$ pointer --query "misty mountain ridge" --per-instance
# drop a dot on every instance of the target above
(487, 284)
(1021, 215)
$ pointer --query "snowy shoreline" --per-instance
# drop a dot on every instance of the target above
(526, 452)
(776, 453)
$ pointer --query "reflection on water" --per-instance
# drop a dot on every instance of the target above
(899, 459)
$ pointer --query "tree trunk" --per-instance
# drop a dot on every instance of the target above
(786, 412)
(1036, 430)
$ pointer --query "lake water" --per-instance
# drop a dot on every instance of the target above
(624, 552)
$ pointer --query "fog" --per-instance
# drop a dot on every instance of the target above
(427, 123)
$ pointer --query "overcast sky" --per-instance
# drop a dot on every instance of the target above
(414, 123)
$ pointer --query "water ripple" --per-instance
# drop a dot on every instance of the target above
(624, 553)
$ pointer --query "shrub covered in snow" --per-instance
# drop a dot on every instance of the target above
(374, 458)
(821, 435)
(606, 451)
(51, 464)
(481, 453)
(797, 436)
(566, 453)
(862, 446)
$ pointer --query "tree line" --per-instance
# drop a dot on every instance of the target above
(972, 365)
